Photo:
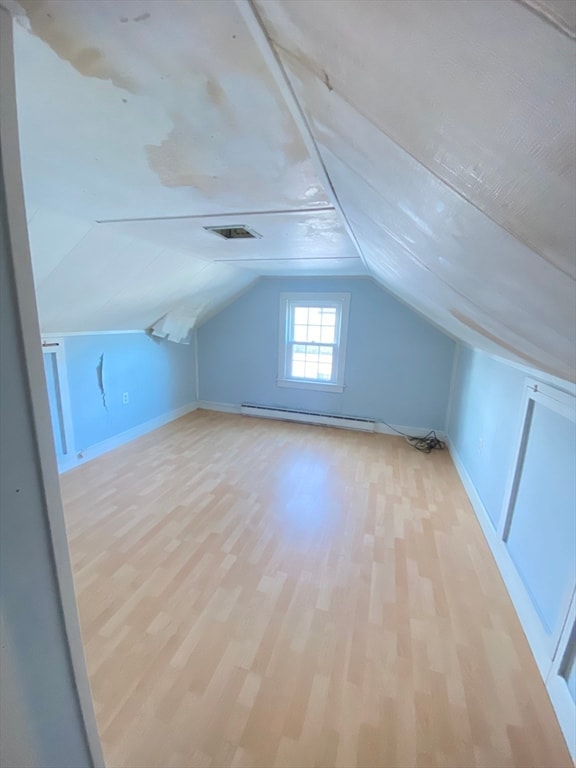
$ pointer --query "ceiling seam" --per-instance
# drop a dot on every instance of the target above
(264, 43)
(289, 258)
(278, 212)
(439, 178)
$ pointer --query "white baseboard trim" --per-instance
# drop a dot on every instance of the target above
(516, 589)
(208, 405)
(529, 620)
(380, 427)
(384, 429)
(124, 437)
(564, 708)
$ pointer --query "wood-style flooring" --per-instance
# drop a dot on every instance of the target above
(258, 593)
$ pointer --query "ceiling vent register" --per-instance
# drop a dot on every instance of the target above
(234, 233)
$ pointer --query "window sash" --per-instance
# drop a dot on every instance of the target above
(304, 316)
(291, 341)
(333, 361)
(291, 324)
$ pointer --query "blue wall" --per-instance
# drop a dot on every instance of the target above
(486, 406)
(159, 377)
(542, 538)
(398, 366)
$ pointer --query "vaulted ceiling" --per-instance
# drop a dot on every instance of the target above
(428, 144)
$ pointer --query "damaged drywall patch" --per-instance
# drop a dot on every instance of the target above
(177, 325)
(177, 160)
(100, 378)
(174, 161)
(219, 144)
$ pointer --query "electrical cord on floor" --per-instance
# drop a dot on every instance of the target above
(426, 444)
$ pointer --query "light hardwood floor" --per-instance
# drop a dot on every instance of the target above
(255, 593)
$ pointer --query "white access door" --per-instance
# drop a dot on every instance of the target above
(56, 385)
(538, 529)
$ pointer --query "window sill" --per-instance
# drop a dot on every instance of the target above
(304, 384)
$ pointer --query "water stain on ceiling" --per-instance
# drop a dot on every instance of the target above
(86, 59)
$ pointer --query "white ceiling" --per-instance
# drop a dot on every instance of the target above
(429, 144)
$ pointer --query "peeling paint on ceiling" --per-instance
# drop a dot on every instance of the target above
(165, 120)
(41, 20)
(447, 131)
(560, 13)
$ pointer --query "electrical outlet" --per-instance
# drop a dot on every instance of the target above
(125, 398)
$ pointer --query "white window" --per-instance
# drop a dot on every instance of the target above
(313, 340)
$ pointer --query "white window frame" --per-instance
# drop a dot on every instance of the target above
(289, 300)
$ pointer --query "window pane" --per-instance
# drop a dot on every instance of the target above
(311, 370)
(329, 316)
(314, 324)
(300, 315)
(327, 335)
(312, 351)
(314, 315)
(297, 369)
(300, 333)
(299, 349)
(314, 333)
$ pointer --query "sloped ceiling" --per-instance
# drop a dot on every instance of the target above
(429, 144)
(140, 124)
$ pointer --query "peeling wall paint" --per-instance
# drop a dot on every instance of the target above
(100, 379)
(159, 377)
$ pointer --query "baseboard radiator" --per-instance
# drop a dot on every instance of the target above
(309, 417)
